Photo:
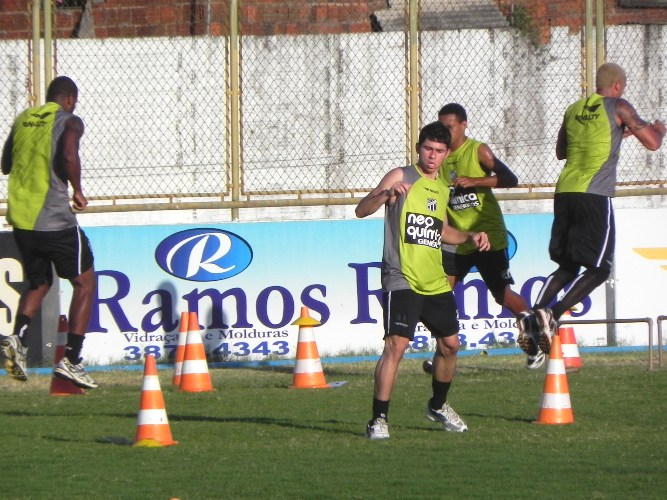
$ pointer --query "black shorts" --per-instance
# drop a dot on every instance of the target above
(68, 250)
(493, 266)
(403, 309)
(583, 232)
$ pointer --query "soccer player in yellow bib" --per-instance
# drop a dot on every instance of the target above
(414, 285)
(472, 171)
(41, 157)
(583, 230)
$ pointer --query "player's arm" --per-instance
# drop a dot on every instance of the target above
(504, 176)
(71, 160)
(452, 236)
(649, 134)
(7, 154)
(561, 142)
(390, 187)
(499, 174)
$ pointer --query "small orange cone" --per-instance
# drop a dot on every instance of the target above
(194, 372)
(308, 372)
(180, 349)
(61, 387)
(569, 343)
(152, 423)
(556, 407)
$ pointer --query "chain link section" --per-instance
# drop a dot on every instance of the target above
(326, 116)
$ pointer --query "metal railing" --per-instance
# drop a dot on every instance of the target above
(649, 323)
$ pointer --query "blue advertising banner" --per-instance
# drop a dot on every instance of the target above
(248, 282)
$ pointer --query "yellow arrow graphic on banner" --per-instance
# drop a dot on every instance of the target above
(653, 254)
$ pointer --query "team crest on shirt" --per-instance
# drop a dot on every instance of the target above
(431, 204)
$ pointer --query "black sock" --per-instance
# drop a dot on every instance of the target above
(73, 348)
(380, 409)
(21, 328)
(440, 390)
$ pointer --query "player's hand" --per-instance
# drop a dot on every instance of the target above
(398, 189)
(464, 182)
(659, 127)
(79, 202)
(481, 241)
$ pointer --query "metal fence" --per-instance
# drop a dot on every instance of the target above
(240, 121)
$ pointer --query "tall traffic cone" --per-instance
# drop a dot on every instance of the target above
(194, 372)
(556, 407)
(180, 349)
(152, 423)
(308, 372)
(59, 386)
(569, 343)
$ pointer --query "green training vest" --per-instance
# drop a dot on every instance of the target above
(593, 147)
(38, 197)
(475, 208)
(412, 237)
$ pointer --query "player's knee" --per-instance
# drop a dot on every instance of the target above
(448, 346)
(598, 274)
(498, 296)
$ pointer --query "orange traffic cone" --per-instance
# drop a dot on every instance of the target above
(152, 424)
(555, 407)
(308, 372)
(180, 349)
(194, 372)
(61, 387)
(569, 343)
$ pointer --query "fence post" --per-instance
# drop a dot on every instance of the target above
(600, 55)
(413, 79)
(48, 38)
(36, 54)
(234, 125)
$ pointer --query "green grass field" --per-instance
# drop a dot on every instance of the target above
(253, 437)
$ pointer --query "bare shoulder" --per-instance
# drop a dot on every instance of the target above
(75, 124)
(628, 116)
(485, 156)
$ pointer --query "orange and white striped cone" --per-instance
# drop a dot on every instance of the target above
(180, 349)
(152, 423)
(555, 407)
(569, 343)
(308, 372)
(194, 372)
(59, 386)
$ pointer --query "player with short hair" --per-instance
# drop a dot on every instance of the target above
(414, 284)
(41, 156)
(472, 171)
(583, 230)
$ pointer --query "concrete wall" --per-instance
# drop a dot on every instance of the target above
(325, 111)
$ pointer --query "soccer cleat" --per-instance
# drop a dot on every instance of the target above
(548, 325)
(449, 418)
(534, 362)
(528, 336)
(377, 429)
(14, 357)
(74, 373)
(427, 366)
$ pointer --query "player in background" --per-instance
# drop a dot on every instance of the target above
(41, 156)
(583, 230)
(472, 171)
(413, 280)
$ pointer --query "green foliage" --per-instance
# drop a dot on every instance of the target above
(521, 20)
(254, 437)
